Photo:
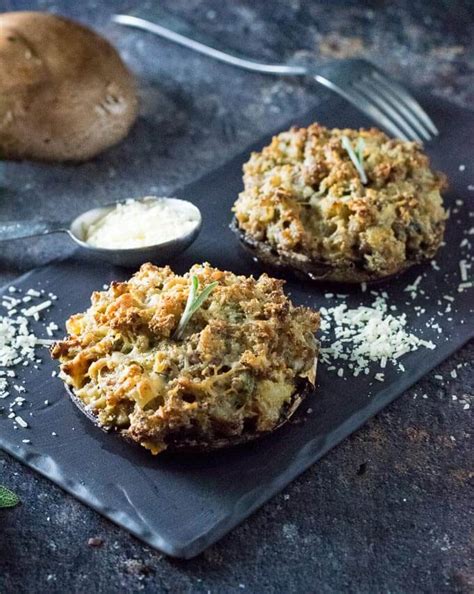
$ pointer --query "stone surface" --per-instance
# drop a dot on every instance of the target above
(389, 509)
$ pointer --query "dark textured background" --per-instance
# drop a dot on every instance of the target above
(388, 510)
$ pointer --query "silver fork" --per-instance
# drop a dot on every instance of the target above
(358, 81)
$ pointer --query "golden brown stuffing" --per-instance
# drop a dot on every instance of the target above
(304, 196)
(237, 365)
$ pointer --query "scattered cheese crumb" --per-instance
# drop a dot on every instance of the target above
(18, 344)
(367, 334)
(35, 309)
(21, 422)
(33, 293)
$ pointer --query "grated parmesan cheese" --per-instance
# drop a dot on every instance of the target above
(140, 223)
(31, 311)
(18, 342)
(21, 422)
(33, 293)
(367, 334)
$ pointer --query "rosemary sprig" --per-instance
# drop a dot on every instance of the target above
(360, 146)
(8, 498)
(357, 159)
(194, 302)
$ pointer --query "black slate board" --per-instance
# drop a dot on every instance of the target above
(182, 504)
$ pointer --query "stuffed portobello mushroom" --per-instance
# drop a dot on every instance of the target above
(193, 362)
(340, 205)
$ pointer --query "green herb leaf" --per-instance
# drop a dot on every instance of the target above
(357, 160)
(360, 147)
(8, 498)
(193, 303)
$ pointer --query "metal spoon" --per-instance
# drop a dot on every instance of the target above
(77, 230)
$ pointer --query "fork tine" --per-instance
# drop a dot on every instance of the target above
(405, 111)
(363, 104)
(409, 101)
(371, 91)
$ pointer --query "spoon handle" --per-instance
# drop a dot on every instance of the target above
(23, 229)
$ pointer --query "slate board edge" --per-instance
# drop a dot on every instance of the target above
(46, 467)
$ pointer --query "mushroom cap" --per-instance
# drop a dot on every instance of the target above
(302, 266)
(188, 444)
(65, 94)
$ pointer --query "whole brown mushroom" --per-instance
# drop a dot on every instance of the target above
(65, 94)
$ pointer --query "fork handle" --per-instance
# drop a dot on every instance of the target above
(197, 46)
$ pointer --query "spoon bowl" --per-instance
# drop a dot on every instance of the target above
(158, 253)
